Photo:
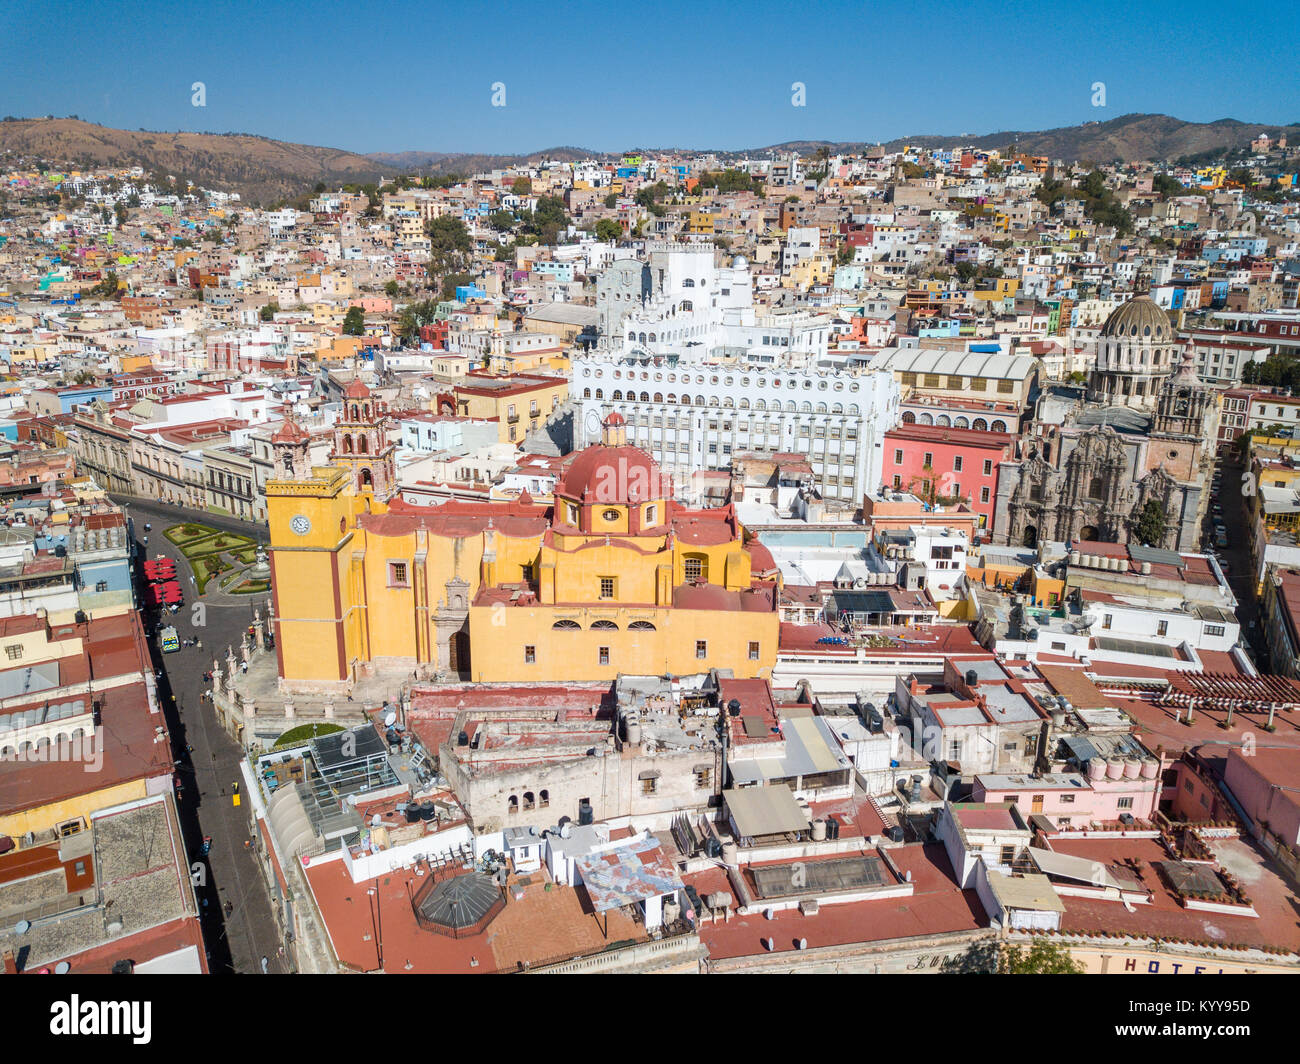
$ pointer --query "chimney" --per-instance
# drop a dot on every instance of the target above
(11, 965)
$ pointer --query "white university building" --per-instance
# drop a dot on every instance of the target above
(700, 376)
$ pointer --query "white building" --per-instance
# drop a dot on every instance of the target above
(696, 415)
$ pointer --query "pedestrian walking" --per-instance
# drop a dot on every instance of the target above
(265, 962)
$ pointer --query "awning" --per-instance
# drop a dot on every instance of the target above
(758, 811)
(648, 774)
(1079, 869)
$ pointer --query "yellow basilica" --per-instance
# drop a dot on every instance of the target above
(616, 577)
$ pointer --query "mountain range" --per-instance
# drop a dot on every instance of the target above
(263, 170)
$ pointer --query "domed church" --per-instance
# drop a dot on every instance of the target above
(1150, 439)
(615, 577)
(1136, 351)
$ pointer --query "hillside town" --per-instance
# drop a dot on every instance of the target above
(874, 562)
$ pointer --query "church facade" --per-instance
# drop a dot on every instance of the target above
(616, 577)
(1093, 476)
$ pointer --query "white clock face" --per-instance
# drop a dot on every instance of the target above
(300, 525)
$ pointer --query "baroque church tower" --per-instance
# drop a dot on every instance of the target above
(360, 442)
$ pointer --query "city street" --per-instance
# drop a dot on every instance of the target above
(1241, 573)
(239, 942)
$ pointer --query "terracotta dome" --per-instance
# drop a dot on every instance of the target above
(614, 475)
(356, 389)
(614, 418)
(291, 432)
(1140, 319)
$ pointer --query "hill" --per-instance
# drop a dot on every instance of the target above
(264, 170)
(435, 163)
(260, 169)
(1129, 138)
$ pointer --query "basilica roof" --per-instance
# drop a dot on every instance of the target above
(1139, 319)
(1120, 418)
(613, 474)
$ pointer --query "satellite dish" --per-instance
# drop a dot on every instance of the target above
(23, 926)
(62, 968)
(390, 719)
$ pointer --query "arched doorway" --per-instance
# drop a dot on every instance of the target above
(1088, 534)
(1030, 538)
(458, 654)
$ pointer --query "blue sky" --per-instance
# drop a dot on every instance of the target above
(608, 76)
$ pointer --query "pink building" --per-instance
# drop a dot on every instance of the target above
(929, 460)
(1117, 777)
(1267, 785)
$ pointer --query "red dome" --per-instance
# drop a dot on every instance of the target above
(356, 389)
(615, 418)
(290, 432)
(614, 475)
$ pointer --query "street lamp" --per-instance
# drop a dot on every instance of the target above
(377, 925)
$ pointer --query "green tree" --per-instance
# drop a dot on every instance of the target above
(730, 181)
(1150, 525)
(452, 281)
(119, 212)
(845, 255)
(392, 288)
(546, 221)
(1042, 958)
(501, 221)
(413, 317)
(609, 231)
(354, 322)
(522, 186)
(1163, 185)
(611, 201)
(449, 246)
(269, 311)
(108, 286)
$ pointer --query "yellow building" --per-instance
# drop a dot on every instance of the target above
(519, 403)
(616, 578)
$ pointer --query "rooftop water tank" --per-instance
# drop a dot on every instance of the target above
(1115, 768)
(1150, 768)
(1096, 768)
(1132, 768)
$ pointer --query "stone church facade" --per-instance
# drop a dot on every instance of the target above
(1091, 477)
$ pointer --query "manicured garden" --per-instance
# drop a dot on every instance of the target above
(212, 552)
